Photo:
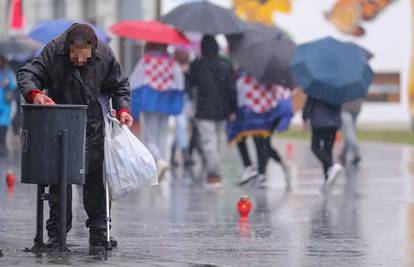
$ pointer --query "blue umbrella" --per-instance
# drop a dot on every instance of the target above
(47, 30)
(332, 71)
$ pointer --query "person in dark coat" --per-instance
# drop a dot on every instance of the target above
(213, 78)
(76, 68)
(325, 121)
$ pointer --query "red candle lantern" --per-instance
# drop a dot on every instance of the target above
(244, 206)
(10, 179)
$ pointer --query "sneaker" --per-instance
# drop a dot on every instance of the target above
(249, 174)
(162, 167)
(288, 176)
(213, 182)
(261, 181)
(342, 160)
(333, 174)
(98, 238)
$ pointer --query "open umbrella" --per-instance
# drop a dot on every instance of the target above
(265, 53)
(205, 18)
(19, 48)
(150, 31)
(332, 71)
(47, 30)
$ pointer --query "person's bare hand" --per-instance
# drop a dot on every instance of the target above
(41, 99)
(306, 126)
(232, 117)
(126, 119)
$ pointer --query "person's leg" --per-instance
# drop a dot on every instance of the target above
(94, 190)
(262, 153)
(354, 141)
(346, 118)
(150, 128)
(181, 132)
(262, 157)
(3, 147)
(162, 139)
(244, 153)
(273, 152)
(209, 143)
(335, 169)
(192, 142)
(177, 140)
(250, 171)
(94, 200)
(320, 147)
(53, 222)
(330, 137)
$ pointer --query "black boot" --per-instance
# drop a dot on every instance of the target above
(98, 238)
(52, 242)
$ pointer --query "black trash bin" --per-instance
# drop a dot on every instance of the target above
(53, 152)
(41, 145)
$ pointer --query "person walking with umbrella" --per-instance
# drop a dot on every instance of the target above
(325, 120)
(77, 68)
(213, 78)
(158, 93)
(7, 87)
(330, 72)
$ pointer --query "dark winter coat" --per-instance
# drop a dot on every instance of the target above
(321, 114)
(213, 78)
(67, 84)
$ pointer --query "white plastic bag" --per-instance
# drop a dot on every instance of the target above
(128, 164)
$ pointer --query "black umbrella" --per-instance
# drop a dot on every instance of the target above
(19, 48)
(265, 53)
(205, 18)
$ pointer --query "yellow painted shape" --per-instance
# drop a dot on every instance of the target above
(255, 11)
(411, 82)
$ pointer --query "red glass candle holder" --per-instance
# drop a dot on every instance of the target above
(10, 179)
(244, 206)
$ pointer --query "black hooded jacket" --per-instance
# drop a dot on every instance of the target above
(213, 78)
(67, 84)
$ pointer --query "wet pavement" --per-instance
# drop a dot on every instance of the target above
(367, 219)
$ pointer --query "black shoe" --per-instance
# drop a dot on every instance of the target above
(98, 238)
(52, 242)
(356, 161)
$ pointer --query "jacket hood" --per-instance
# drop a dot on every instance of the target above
(209, 46)
(80, 31)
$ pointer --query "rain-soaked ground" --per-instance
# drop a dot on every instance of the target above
(366, 220)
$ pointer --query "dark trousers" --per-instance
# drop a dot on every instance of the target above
(322, 144)
(194, 142)
(273, 153)
(262, 150)
(93, 196)
(3, 147)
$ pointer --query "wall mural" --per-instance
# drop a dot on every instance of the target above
(348, 16)
(261, 10)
